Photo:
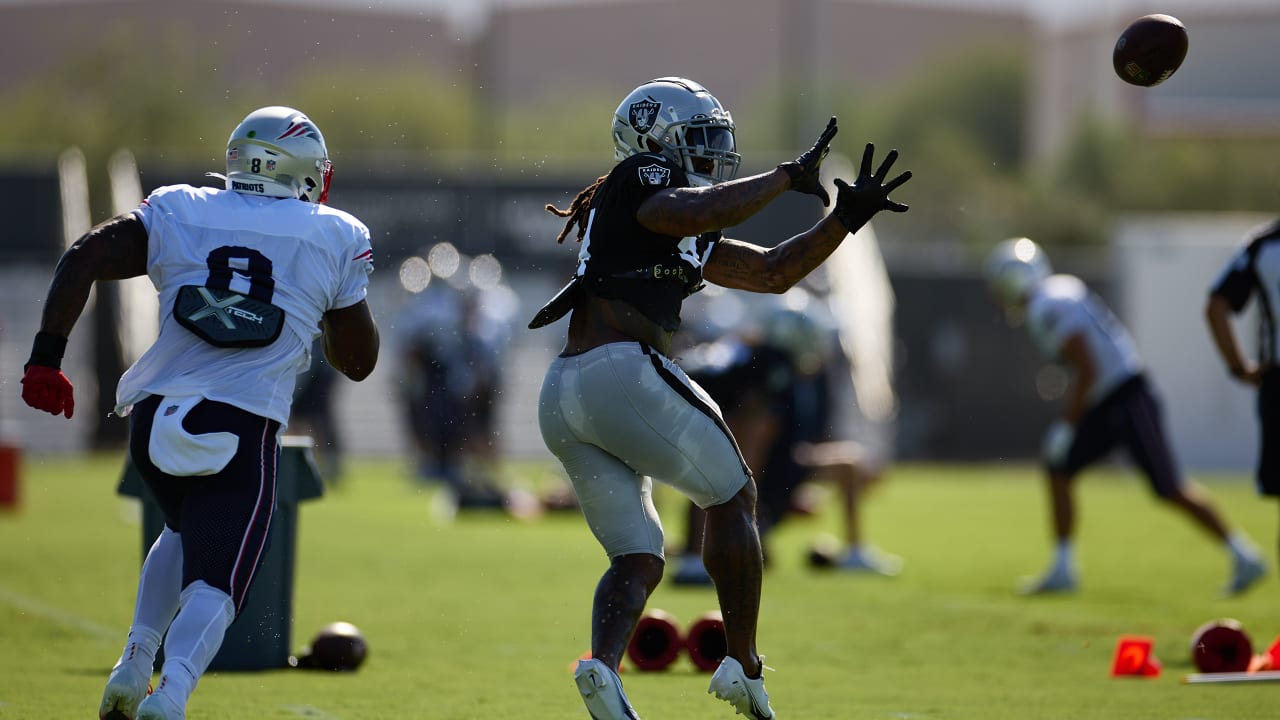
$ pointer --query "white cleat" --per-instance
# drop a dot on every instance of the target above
(747, 696)
(159, 706)
(602, 692)
(1249, 570)
(128, 685)
(1057, 580)
(871, 560)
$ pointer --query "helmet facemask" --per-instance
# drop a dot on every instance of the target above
(680, 120)
(705, 148)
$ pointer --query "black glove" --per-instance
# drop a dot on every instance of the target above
(804, 169)
(869, 194)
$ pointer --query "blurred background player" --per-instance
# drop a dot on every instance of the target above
(454, 336)
(313, 401)
(773, 382)
(1254, 272)
(247, 277)
(618, 412)
(1109, 402)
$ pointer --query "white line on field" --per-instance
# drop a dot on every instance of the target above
(44, 610)
(307, 711)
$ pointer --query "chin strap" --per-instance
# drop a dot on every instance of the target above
(326, 177)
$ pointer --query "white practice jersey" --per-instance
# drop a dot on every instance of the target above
(1061, 307)
(304, 258)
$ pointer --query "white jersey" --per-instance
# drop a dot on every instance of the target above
(1061, 307)
(304, 258)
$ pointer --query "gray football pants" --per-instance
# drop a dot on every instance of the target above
(622, 415)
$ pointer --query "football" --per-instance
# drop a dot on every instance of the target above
(339, 646)
(1150, 50)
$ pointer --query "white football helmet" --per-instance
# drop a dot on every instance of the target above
(795, 323)
(278, 152)
(1015, 267)
(682, 121)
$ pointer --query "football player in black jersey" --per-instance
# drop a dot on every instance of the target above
(772, 379)
(618, 412)
(1254, 272)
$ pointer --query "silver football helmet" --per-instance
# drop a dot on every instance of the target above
(1015, 267)
(682, 121)
(278, 152)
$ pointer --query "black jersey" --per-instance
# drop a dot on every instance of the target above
(1255, 268)
(621, 259)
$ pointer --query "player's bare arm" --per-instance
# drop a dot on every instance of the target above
(688, 211)
(351, 340)
(746, 266)
(1084, 373)
(1218, 314)
(113, 250)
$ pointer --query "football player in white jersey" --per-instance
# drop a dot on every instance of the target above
(247, 276)
(1109, 403)
(618, 412)
(1254, 272)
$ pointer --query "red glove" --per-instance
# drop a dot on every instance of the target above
(47, 389)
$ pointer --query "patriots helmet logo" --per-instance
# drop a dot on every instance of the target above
(642, 114)
(302, 128)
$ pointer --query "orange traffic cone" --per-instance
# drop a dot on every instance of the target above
(1134, 658)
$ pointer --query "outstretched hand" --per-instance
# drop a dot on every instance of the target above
(869, 193)
(804, 170)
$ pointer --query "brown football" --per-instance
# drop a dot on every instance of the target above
(1150, 50)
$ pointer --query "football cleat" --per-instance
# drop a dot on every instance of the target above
(871, 560)
(1248, 571)
(1057, 580)
(128, 684)
(159, 706)
(747, 696)
(602, 692)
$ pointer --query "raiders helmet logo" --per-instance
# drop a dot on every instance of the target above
(642, 114)
(655, 175)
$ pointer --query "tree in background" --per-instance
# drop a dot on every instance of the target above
(965, 114)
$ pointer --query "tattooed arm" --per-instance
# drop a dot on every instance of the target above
(744, 266)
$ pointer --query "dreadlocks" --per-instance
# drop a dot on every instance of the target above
(578, 211)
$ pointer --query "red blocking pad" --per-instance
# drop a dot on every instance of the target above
(657, 641)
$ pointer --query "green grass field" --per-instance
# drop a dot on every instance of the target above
(483, 617)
